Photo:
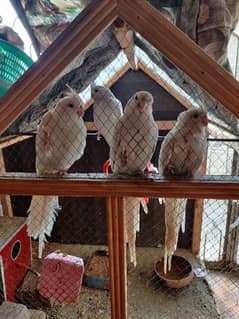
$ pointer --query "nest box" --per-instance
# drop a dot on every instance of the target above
(15, 255)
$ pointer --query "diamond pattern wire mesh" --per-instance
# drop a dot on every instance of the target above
(133, 125)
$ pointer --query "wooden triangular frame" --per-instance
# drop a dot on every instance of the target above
(92, 21)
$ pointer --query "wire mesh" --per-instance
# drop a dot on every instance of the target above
(128, 104)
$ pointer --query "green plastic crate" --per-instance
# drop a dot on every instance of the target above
(13, 63)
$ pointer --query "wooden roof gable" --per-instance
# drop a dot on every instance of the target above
(143, 18)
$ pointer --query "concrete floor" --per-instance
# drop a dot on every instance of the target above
(147, 296)
(225, 287)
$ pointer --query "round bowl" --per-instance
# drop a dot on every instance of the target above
(180, 275)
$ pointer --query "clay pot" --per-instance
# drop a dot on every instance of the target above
(181, 273)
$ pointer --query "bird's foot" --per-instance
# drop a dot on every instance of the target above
(123, 157)
(61, 172)
(170, 169)
(151, 169)
(98, 136)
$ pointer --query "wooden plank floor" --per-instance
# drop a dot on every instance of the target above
(225, 287)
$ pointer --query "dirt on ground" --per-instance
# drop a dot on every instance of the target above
(148, 297)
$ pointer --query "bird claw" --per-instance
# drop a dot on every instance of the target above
(98, 136)
(61, 172)
(170, 169)
(124, 157)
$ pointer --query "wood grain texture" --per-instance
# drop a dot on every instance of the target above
(12, 139)
(101, 185)
(162, 126)
(172, 91)
(72, 42)
(5, 199)
(109, 210)
(198, 215)
(117, 252)
(122, 256)
(182, 51)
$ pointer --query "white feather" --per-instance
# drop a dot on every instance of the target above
(60, 141)
(107, 110)
(182, 153)
(134, 141)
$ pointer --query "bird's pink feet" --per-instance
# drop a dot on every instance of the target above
(170, 170)
(124, 157)
(61, 172)
(98, 136)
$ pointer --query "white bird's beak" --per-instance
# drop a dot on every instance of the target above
(142, 105)
(80, 111)
(204, 120)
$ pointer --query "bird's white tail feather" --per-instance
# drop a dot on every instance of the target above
(42, 215)
(144, 206)
(132, 207)
(174, 216)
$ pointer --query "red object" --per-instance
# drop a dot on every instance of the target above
(15, 250)
(150, 167)
(106, 167)
(61, 277)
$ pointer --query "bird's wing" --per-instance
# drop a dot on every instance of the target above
(119, 108)
(44, 132)
(117, 148)
(166, 153)
(155, 139)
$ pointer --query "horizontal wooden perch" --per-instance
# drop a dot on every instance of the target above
(101, 185)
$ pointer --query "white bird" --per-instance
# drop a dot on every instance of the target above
(60, 141)
(107, 110)
(181, 155)
(135, 136)
(134, 142)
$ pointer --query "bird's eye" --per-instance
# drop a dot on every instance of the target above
(136, 97)
(195, 116)
(96, 90)
(71, 105)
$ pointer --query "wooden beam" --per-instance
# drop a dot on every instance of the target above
(117, 252)
(73, 41)
(182, 100)
(182, 51)
(114, 303)
(101, 185)
(162, 125)
(5, 198)
(12, 139)
(122, 256)
(198, 215)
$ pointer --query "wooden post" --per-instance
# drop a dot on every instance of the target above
(5, 199)
(198, 215)
(117, 252)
